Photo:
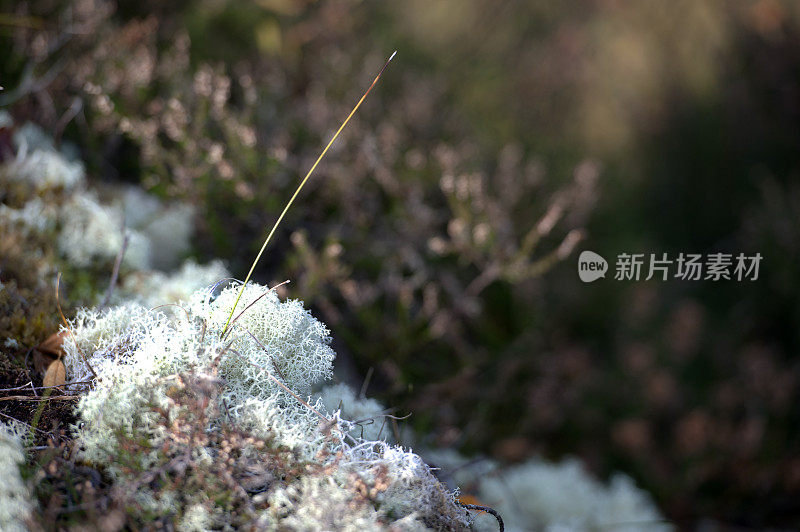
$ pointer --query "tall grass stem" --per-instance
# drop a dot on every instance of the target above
(297, 192)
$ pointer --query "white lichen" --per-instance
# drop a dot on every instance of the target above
(138, 354)
(368, 415)
(89, 231)
(280, 337)
(35, 217)
(15, 497)
(540, 495)
(39, 165)
(92, 232)
(320, 503)
(412, 489)
(375, 486)
(167, 227)
(196, 518)
(154, 288)
(131, 347)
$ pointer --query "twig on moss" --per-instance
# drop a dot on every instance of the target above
(23, 423)
(363, 392)
(39, 399)
(278, 382)
(277, 369)
(227, 411)
(34, 388)
(485, 509)
(17, 388)
(115, 271)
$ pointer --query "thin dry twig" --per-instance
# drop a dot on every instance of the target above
(384, 415)
(487, 510)
(363, 392)
(22, 422)
(17, 388)
(277, 369)
(25, 386)
(31, 84)
(115, 271)
(279, 383)
(75, 107)
(39, 399)
(361, 423)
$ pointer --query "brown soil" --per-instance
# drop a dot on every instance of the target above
(57, 410)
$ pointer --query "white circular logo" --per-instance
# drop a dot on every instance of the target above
(591, 266)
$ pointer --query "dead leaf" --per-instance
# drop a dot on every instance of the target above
(56, 374)
(466, 498)
(54, 345)
(42, 361)
(46, 352)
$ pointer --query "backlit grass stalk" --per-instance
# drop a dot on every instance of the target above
(299, 188)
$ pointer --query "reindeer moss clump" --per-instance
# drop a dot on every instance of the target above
(15, 505)
(51, 222)
(168, 394)
(182, 422)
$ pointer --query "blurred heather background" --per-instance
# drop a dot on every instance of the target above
(439, 238)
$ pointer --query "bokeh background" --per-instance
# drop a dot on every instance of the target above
(439, 238)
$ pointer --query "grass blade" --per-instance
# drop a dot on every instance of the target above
(297, 191)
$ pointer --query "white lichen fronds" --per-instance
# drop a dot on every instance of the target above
(51, 199)
(320, 503)
(92, 231)
(281, 337)
(412, 489)
(38, 164)
(15, 497)
(35, 217)
(125, 361)
(131, 350)
(154, 288)
(168, 227)
(380, 484)
(131, 347)
(541, 495)
(368, 416)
